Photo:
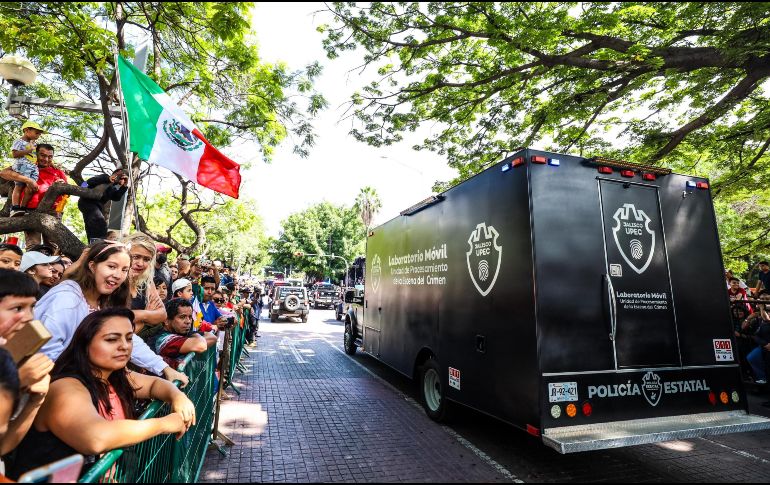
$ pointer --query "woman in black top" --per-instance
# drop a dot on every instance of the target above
(89, 407)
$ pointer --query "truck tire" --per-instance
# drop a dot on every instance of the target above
(349, 342)
(432, 391)
(273, 317)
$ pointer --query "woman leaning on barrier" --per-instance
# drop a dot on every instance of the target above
(90, 403)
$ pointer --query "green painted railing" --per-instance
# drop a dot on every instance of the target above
(163, 459)
(236, 350)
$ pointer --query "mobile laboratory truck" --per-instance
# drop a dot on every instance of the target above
(581, 300)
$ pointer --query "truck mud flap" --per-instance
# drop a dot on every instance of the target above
(589, 437)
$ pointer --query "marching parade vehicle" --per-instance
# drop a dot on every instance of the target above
(582, 300)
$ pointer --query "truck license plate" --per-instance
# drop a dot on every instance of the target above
(562, 392)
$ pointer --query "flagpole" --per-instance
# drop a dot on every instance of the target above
(127, 138)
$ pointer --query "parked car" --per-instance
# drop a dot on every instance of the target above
(290, 301)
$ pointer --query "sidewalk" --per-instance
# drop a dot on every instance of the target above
(328, 420)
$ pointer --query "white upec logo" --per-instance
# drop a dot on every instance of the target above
(376, 272)
(484, 255)
(634, 237)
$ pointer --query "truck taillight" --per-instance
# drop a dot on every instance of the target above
(736, 397)
(539, 159)
(605, 169)
(627, 173)
(724, 397)
(587, 409)
(532, 430)
(712, 398)
(571, 410)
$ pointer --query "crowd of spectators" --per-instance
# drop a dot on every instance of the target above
(751, 323)
(121, 317)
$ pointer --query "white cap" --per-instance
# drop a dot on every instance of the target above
(179, 284)
(33, 258)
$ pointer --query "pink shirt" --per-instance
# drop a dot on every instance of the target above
(117, 408)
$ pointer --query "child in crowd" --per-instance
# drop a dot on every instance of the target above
(17, 297)
(25, 163)
(178, 336)
(10, 256)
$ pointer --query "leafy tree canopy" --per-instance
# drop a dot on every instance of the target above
(202, 53)
(677, 84)
(311, 231)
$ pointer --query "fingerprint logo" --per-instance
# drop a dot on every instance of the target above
(483, 270)
(637, 251)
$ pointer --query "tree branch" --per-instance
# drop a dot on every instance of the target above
(739, 92)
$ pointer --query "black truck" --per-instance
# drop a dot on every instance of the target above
(582, 300)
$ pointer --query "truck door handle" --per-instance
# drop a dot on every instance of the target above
(613, 308)
(481, 344)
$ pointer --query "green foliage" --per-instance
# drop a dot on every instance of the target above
(677, 84)
(368, 204)
(202, 54)
(235, 234)
(310, 231)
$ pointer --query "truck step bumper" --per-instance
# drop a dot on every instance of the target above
(589, 437)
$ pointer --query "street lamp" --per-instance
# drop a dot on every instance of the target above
(18, 71)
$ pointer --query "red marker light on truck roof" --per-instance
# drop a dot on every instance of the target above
(702, 185)
(627, 173)
(649, 176)
(517, 161)
(605, 169)
(538, 159)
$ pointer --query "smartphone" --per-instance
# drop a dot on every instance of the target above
(66, 470)
(27, 341)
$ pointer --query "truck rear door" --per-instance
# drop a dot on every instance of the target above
(643, 325)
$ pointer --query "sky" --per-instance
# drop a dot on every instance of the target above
(338, 166)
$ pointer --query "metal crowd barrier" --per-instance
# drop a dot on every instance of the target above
(237, 349)
(163, 459)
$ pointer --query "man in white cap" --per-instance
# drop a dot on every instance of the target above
(38, 266)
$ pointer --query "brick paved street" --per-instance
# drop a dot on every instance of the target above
(328, 419)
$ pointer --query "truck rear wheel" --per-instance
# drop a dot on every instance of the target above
(432, 391)
(349, 341)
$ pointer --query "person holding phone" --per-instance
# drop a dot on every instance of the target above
(18, 293)
(100, 281)
(93, 209)
(90, 405)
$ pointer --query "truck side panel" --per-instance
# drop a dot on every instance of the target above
(485, 333)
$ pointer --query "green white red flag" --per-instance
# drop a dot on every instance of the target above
(162, 134)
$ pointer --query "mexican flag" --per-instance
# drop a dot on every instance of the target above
(162, 134)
